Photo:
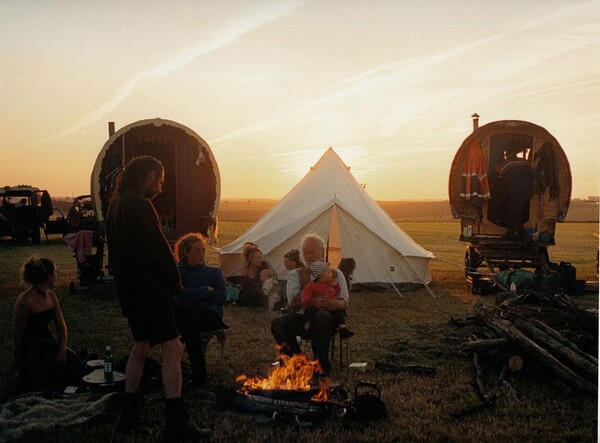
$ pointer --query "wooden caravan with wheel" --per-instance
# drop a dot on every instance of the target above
(189, 201)
(480, 194)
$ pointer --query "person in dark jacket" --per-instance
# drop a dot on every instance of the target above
(200, 302)
(147, 284)
(518, 177)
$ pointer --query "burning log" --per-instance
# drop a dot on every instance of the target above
(291, 380)
(292, 377)
(288, 391)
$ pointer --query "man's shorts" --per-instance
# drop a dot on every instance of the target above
(149, 311)
(153, 321)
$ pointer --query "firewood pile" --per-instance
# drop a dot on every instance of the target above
(541, 333)
(547, 334)
(546, 331)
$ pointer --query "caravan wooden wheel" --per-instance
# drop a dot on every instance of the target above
(472, 260)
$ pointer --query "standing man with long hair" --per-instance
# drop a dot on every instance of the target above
(147, 283)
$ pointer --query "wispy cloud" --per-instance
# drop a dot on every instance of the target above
(551, 46)
(552, 41)
(184, 57)
(246, 130)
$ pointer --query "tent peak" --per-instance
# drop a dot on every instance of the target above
(330, 155)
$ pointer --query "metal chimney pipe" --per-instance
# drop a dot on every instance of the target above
(475, 118)
(111, 128)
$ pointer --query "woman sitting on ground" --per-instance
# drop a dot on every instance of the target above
(41, 361)
(200, 303)
(251, 291)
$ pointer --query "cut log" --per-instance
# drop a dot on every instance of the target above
(478, 381)
(553, 346)
(515, 363)
(552, 365)
(563, 340)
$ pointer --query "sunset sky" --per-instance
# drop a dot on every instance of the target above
(270, 85)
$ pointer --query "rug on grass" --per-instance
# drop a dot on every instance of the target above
(38, 414)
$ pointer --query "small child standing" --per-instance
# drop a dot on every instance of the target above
(270, 288)
(324, 284)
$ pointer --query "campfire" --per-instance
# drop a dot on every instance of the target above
(291, 379)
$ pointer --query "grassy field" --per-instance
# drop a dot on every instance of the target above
(412, 329)
(399, 210)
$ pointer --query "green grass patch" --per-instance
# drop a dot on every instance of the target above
(412, 329)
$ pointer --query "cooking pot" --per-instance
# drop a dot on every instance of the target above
(367, 405)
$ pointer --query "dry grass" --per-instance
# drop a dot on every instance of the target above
(413, 329)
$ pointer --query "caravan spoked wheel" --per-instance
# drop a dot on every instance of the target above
(472, 260)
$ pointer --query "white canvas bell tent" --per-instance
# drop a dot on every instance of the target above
(330, 202)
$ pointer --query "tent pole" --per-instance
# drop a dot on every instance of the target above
(419, 277)
(396, 289)
(391, 280)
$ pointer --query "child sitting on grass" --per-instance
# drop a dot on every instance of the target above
(324, 284)
(270, 288)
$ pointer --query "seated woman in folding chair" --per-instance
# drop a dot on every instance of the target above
(200, 303)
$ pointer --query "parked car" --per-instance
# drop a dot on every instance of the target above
(24, 210)
(56, 223)
(88, 221)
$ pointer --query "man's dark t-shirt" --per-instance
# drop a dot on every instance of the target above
(140, 256)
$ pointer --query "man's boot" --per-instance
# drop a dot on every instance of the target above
(132, 416)
(199, 373)
(179, 427)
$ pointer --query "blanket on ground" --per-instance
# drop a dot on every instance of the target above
(24, 417)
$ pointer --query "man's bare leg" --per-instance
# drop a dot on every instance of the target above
(135, 365)
(172, 352)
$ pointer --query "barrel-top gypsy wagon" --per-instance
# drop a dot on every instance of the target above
(189, 201)
(479, 195)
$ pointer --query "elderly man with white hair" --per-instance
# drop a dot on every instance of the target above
(287, 327)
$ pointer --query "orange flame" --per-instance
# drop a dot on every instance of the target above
(294, 373)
